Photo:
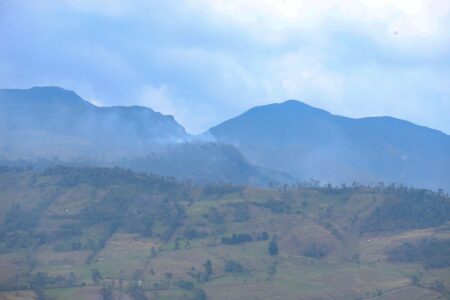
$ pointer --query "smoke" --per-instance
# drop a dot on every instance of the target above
(47, 122)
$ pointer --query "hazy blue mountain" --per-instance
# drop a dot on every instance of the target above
(48, 126)
(307, 142)
(50, 121)
(208, 162)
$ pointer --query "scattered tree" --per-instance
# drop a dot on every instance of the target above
(96, 276)
(208, 270)
(107, 292)
(273, 248)
(232, 266)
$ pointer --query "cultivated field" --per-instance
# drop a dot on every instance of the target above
(100, 233)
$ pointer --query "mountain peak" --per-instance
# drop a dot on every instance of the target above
(309, 142)
(50, 88)
(43, 121)
(275, 116)
(288, 109)
(50, 91)
(294, 102)
(299, 105)
(51, 95)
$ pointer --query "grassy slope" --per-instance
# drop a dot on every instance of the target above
(312, 216)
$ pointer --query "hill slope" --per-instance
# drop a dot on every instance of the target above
(80, 233)
(311, 143)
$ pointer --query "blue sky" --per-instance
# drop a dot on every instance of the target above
(207, 61)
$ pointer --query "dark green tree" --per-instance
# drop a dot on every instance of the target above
(107, 293)
(153, 252)
(40, 294)
(96, 276)
(137, 293)
(273, 248)
(208, 270)
(232, 266)
(200, 295)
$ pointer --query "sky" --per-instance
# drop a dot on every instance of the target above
(205, 61)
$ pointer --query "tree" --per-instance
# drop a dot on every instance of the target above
(72, 280)
(153, 252)
(96, 276)
(177, 245)
(264, 236)
(185, 285)
(200, 295)
(107, 293)
(316, 251)
(208, 269)
(236, 239)
(40, 294)
(39, 280)
(232, 266)
(438, 285)
(137, 292)
(273, 248)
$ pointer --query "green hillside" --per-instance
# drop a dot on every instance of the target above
(92, 233)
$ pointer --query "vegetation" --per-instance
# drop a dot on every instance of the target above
(273, 248)
(71, 233)
(232, 266)
(236, 239)
(433, 253)
(409, 209)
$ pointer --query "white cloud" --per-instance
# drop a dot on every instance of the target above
(386, 20)
(204, 61)
(303, 75)
(165, 100)
(157, 98)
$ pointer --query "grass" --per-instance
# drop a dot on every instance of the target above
(313, 217)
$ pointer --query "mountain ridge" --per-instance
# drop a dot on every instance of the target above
(298, 103)
(56, 114)
(48, 126)
(312, 143)
(285, 140)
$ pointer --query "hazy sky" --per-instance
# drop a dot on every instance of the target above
(206, 61)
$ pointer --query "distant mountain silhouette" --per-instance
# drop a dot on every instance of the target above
(47, 126)
(307, 142)
(206, 163)
(50, 121)
(56, 125)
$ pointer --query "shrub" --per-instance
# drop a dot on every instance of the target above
(232, 266)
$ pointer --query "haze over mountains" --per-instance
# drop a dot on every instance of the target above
(279, 143)
(50, 121)
(307, 142)
(56, 126)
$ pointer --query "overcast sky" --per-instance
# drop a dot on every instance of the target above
(207, 61)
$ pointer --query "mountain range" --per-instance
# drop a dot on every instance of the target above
(50, 121)
(277, 143)
(51, 126)
(307, 142)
